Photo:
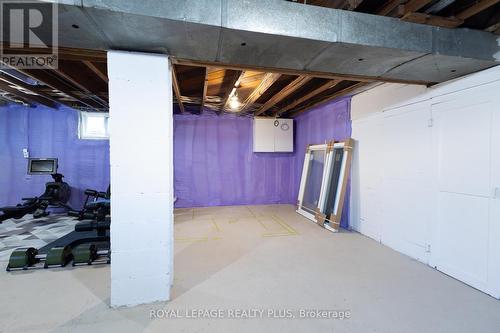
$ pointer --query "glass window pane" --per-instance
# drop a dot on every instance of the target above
(313, 182)
(334, 181)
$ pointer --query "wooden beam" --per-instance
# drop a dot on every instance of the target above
(233, 84)
(335, 95)
(64, 53)
(495, 28)
(37, 90)
(388, 7)
(4, 86)
(74, 73)
(308, 96)
(287, 91)
(479, 6)
(413, 6)
(177, 90)
(323, 75)
(204, 93)
(97, 71)
(438, 21)
(266, 82)
(50, 79)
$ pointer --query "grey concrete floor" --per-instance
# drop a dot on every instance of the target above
(257, 257)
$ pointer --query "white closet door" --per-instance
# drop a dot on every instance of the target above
(494, 240)
(406, 189)
(462, 143)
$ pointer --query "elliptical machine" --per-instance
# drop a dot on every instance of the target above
(56, 194)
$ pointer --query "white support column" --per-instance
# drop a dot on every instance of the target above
(140, 98)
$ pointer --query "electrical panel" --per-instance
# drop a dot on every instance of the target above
(272, 135)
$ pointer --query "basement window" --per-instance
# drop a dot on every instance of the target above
(93, 126)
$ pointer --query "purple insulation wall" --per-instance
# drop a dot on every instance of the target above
(214, 164)
(48, 133)
(330, 121)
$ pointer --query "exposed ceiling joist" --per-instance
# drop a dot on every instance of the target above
(388, 7)
(308, 96)
(177, 90)
(438, 21)
(51, 80)
(335, 95)
(232, 86)
(479, 6)
(97, 71)
(285, 92)
(495, 28)
(414, 5)
(204, 93)
(4, 86)
(266, 82)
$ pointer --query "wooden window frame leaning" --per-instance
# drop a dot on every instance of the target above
(332, 221)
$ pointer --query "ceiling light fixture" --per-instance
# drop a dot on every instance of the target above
(234, 103)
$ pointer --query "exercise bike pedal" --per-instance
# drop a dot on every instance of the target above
(58, 256)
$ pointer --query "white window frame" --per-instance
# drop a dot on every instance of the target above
(328, 222)
(82, 123)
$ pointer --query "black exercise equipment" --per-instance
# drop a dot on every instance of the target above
(56, 194)
(87, 244)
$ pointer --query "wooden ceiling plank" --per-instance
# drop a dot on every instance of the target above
(306, 97)
(478, 7)
(233, 84)
(337, 94)
(495, 28)
(96, 70)
(266, 82)
(177, 90)
(286, 91)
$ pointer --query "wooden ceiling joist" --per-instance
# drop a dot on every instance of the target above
(74, 72)
(438, 21)
(204, 93)
(335, 95)
(33, 98)
(388, 7)
(97, 70)
(177, 90)
(50, 79)
(266, 82)
(414, 5)
(478, 7)
(233, 85)
(285, 92)
(308, 96)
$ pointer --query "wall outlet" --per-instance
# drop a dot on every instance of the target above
(26, 153)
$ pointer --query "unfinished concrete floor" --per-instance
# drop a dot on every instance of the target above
(259, 257)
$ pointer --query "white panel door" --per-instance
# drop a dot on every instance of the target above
(462, 143)
(494, 239)
(283, 135)
(406, 189)
(263, 135)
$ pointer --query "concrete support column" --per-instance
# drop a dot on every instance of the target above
(141, 134)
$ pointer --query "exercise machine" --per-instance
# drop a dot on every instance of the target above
(56, 194)
(88, 244)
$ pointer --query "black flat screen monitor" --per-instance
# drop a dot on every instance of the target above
(42, 166)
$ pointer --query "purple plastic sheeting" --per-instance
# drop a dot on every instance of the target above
(214, 164)
(48, 133)
(329, 121)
